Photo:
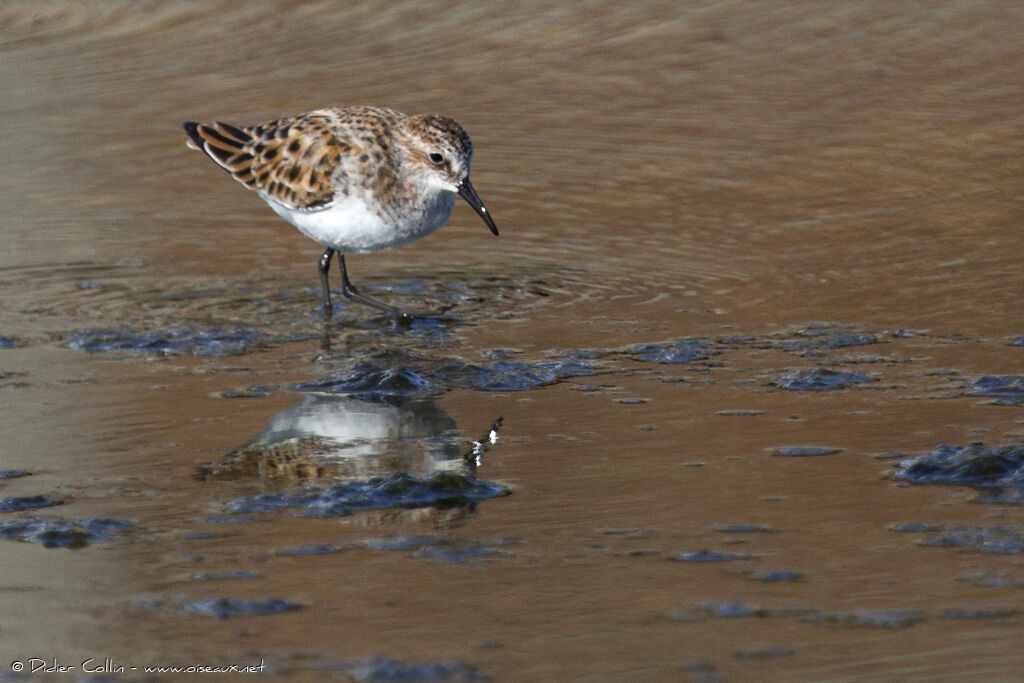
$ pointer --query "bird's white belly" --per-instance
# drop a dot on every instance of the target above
(350, 225)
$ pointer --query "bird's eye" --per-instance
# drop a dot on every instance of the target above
(437, 158)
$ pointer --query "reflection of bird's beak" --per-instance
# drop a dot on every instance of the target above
(467, 192)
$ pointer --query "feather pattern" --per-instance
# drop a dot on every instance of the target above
(356, 179)
(294, 161)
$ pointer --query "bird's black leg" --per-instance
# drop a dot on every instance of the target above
(324, 266)
(350, 292)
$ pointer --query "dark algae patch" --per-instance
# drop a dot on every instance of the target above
(225, 608)
(814, 339)
(686, 351)
(1007, 390)
(225, 576)
(892, 618)
(400, 374)
(804, 451)
(744, 528)
(820, 379)
(914, 527)
(20, 503)
(388, 669)
(371, 382)
(175, 342)
(996, 473)
(399, 490)
(390, 372)
(402, 542)
(59, 533)
(973, 465)
(218, 519)
(998, 540)
(780, 576)
(708, 556)
(506, 375)
(991, 580)
(318, 549)
(434, 547)
(732, 610)
(456, 553)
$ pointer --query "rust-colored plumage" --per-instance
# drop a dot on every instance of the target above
(356, 179)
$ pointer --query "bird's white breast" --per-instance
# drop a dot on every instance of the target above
(353, 225)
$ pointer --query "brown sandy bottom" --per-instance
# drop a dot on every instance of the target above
(370, 501)
(735, 396)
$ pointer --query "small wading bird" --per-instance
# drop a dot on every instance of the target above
(355, 179)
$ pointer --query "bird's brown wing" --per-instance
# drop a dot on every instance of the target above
(292, 160)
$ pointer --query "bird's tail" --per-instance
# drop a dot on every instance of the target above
(225, 144)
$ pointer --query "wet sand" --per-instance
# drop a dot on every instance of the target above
(726, 231)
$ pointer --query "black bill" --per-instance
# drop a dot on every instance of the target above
(467, 192)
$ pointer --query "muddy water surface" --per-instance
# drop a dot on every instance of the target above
(684, 419)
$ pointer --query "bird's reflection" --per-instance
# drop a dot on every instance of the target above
(329, 436)
(414, 429)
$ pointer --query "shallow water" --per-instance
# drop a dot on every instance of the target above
(684, 420)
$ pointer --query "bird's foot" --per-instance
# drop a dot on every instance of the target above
(406, 318)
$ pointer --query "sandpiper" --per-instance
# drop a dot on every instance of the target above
(355, 179)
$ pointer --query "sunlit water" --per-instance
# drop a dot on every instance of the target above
(752, 259)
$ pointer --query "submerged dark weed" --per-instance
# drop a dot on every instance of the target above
(59, 533)
(1007, 390)
(399, 490)
(973, 465)
(174, 342)
(820, 379)
(225, 608)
